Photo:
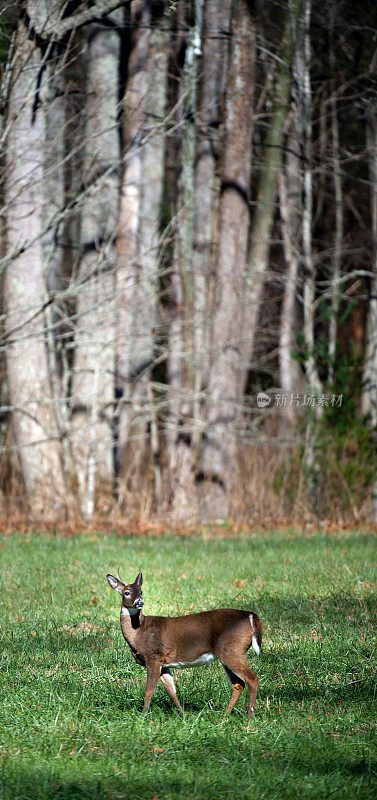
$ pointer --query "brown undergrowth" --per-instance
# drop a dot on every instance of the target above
(23, 523)
(269, 492)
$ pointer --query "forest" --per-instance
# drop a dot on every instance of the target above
(189, 260)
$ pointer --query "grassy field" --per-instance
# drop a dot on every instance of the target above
(70, 725)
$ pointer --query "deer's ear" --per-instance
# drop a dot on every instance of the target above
(114, 583)
(139, 579)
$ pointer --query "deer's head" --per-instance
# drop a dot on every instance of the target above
(131, 593)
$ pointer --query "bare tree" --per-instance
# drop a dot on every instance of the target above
(304, 116)
(290, 186)
(338, 193)
(34, 422)
(206, 63)
(265, 206)
(182, 360)
(304, 122)
(224, 389)
(138, 244)
(92, 400)
(370, 372)
(130, 209)
(212, 70)
(148, 317)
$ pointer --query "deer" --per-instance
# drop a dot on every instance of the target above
(163, 643)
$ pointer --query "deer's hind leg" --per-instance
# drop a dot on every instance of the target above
(240, 668)
(237, 685)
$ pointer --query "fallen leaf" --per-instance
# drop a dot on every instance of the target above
(239, 583)
(158, 749)
(316, 637)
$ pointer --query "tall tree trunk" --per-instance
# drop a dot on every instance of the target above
(183, 336)
(304, 98)
(338, 228)
(138, 256)
(370, 371)
(34, 421)
(265, 207)
(219, 464)
(94, 362)
(172, 200)
(53, 240)
(212, 69)
(130, 373)
(147, 320)
(200, 197)
(290, 184)
(130, 202)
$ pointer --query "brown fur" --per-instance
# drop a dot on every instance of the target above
(158, 642)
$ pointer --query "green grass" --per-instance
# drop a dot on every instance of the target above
(70, 725)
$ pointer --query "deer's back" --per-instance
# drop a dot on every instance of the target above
(190, 636)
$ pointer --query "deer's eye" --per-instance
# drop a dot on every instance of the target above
(127, 594)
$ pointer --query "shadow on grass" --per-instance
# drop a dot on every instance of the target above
(296, 612)
(19, 640)
(307, 776)
(362, 691)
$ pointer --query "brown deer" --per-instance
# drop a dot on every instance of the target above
(159, 643)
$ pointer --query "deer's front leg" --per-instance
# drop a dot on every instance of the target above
(153, 674)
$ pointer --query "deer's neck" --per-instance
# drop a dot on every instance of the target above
(131, 624)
